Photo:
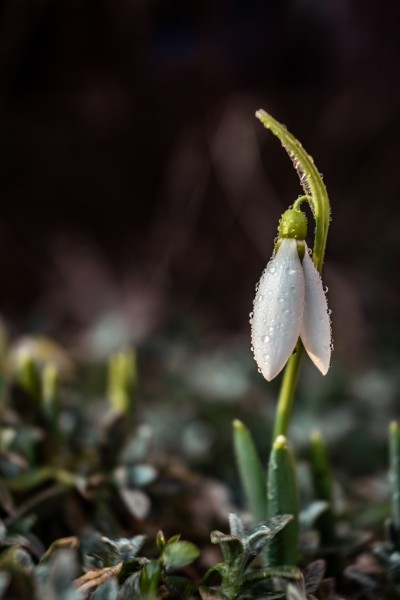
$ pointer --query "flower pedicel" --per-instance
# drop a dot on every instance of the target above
(290, 302)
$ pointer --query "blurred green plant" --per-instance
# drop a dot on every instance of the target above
(283, 498)
(122, 382)
(52, 448)
(323, 490)
(96, 566)
(251, 472)
(381, 575)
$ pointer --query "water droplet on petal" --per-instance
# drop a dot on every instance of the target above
(266, 339)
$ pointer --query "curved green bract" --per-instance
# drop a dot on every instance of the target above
(310, 180)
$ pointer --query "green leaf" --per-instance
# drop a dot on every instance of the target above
(217, 570)
(283, 498)
(178, 554)
(29, 378)
(323, 489)
(272, 582)
(231, 546)
(36, 477)
(281, 574)
(122, 381)
(160, 540)
(394, 473)
(174, 538)
(149, 580)
(50, 393)
(263, 535)
(251, 472)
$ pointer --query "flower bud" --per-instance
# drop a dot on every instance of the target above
(293, 225)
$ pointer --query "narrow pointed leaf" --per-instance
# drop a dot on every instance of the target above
(394, 473)
(283, 498)
(263, 535)
(269, 530)
(251, 472)
(323, 489)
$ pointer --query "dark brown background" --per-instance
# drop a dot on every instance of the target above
(135, 180)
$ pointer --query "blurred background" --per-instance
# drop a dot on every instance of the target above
(140, 196)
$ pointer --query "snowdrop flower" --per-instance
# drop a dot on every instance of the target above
(290, 302)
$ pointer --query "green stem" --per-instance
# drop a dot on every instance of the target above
(286, 395)
(300, 200)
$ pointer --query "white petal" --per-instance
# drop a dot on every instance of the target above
(316, 329)
(278, 310)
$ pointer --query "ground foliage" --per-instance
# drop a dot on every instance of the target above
(87, 491)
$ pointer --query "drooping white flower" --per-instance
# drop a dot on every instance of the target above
(290, 302)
